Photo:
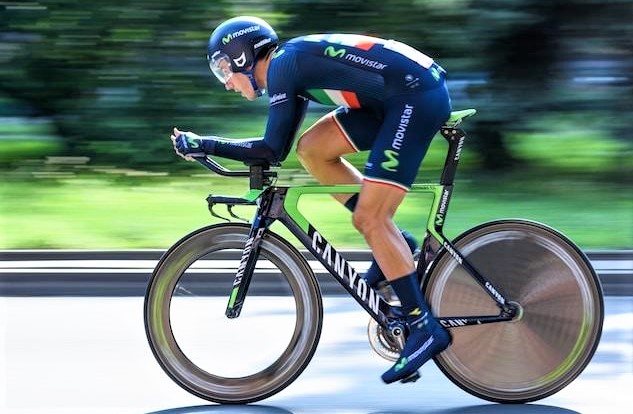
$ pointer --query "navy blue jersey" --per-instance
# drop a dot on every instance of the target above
(347, 70)
(384, 89)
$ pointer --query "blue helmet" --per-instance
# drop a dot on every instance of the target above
(237, 44)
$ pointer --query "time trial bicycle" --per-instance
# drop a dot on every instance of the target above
(523, 303)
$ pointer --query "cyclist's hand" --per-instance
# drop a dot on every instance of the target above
(187, 144)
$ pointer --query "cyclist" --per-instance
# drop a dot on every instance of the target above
(392, 100)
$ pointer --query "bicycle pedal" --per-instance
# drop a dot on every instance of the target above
(411, 378)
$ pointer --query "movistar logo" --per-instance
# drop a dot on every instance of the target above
(392, 161)
(401, 364)
(226, 39)
(435, 73)
(192, 142)
(331, 52)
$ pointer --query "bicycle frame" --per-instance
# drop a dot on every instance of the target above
(281, 203)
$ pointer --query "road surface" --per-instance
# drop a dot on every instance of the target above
(84, 355)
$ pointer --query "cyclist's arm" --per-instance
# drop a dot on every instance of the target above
(286, 112)
(248, 150)
(284, 120)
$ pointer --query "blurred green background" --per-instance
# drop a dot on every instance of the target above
(90, 91)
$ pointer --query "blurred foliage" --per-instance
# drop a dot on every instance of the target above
(109, 79)
(124, 210)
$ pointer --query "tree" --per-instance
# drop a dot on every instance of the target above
(116, 75)
(113, 77)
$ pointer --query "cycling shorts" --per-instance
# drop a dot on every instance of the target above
(399, 137)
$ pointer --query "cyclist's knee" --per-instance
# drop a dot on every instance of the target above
(307, 147)
(366, 220)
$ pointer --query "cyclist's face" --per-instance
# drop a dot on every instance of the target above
(240, 83)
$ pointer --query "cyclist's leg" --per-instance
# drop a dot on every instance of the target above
(321, 147)
(401, 144)
(373, 217)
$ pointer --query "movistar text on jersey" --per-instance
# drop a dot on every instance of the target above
(402, 127)
(366, 62)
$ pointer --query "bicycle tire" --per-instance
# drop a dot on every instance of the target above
(168, 302)
(561, 311)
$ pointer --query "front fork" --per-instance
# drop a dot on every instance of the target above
(246, 267)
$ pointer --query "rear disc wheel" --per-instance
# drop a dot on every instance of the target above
(559, 320)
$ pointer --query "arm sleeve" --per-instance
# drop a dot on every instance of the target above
(283, 123)
(285, 114)
(287, 108)
(251, 151)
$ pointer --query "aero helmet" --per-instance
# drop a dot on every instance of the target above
(236, 44)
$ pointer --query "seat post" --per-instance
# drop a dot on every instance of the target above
(455, 138)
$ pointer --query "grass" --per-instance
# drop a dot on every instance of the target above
(90, 212)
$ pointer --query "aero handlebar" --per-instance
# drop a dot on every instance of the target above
(260, 175)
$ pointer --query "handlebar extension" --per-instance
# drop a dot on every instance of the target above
(260, 175)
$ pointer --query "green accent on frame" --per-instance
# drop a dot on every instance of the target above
(291, 203)
(233, 297)
(252, 195)
(457, 116)
(436, 190)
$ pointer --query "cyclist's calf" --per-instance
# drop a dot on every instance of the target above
(372, 217)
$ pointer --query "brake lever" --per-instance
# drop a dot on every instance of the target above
(229, 202)
(229, 207)
(214, 214)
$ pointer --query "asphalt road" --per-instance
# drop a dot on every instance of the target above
(89, 355)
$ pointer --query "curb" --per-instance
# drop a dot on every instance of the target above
(126, 272)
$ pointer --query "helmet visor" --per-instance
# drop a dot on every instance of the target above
(220, 65)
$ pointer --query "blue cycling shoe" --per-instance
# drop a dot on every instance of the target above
(426, 339)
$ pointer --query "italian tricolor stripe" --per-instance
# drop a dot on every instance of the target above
(365, 44)
(334, 97)
(359, 41)
(354, 40)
